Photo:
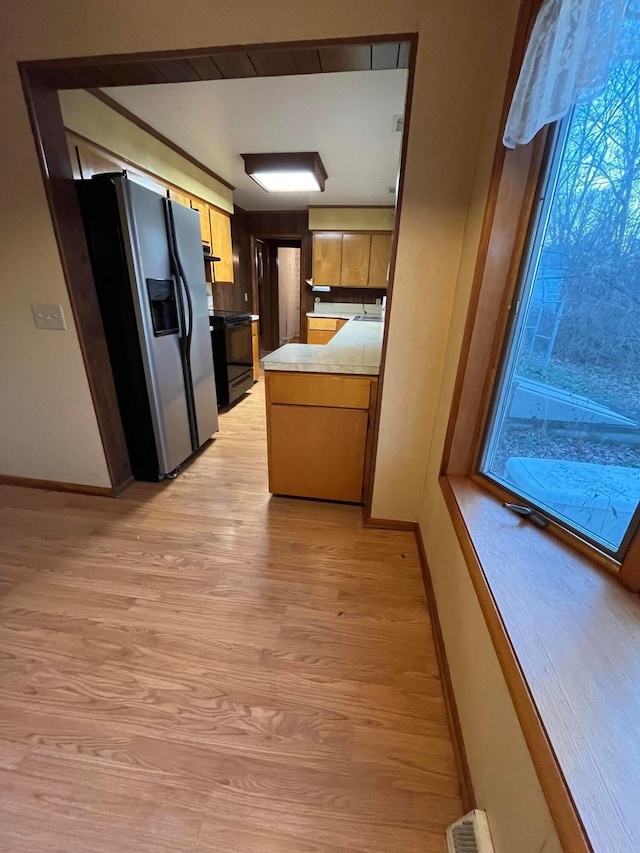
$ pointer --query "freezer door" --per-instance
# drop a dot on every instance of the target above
(159, 316)
(189, 249)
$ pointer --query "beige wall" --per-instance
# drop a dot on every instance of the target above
(47, 425)
(504, 778)
(351, 218)
(89, 117)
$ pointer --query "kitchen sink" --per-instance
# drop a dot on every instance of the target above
(368, 318)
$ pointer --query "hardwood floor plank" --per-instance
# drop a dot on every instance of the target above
(198, 666)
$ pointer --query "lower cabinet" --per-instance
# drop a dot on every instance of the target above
(319, 436)
(255, 348)
(320, 330)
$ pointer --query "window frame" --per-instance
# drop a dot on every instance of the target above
(512, 204)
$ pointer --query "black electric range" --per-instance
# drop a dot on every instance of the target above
(232, 354)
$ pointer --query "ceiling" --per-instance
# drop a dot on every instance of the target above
(347, 117)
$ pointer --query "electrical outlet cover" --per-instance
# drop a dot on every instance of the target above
(48, 316)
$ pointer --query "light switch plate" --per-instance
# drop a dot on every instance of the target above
(48, 316)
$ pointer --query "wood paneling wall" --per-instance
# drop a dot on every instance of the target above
(244, 224)
(274, 223)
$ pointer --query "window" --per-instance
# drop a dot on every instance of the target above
(563, 432)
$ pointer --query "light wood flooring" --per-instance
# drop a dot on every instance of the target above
(198, 667)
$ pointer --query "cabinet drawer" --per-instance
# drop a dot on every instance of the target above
(323, 324)
(341, 392)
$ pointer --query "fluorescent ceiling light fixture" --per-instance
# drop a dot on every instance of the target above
(290, 172)
(287, 182)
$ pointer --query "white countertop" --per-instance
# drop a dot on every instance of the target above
(354, 349)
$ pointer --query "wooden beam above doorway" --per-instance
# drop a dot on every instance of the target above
(191, 66)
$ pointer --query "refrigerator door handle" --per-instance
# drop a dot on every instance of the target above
(187, 324)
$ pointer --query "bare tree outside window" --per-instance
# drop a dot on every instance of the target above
(565, 430)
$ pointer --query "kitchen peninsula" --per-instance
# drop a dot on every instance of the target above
(320, 402)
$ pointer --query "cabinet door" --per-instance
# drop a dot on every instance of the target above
(318, 336)
(317, 452)
(327, 259)
(181, 198)
(380, 259)
(356, 249)
(203, 211)
(221, 245)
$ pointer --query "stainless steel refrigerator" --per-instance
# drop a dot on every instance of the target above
(147, 261)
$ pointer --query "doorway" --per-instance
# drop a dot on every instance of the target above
(41, 82)
(278, 281)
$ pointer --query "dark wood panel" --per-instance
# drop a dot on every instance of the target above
(177, 70)
(346, 57)
(307, 61)
(273, 63)
(276, 222)
(353, 295)
(169, 67)
(384, 55)
(90, 77)
(404, 54)
(133, 74)
(205, 68)
(235, 65)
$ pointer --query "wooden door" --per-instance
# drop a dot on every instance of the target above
(221, 245)
(380, 259)
(356, 249)
(327, 259)
(317, 452)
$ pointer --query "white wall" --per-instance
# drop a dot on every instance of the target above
(289, 293)
(47, 425)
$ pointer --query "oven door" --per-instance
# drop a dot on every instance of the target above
(238, 347)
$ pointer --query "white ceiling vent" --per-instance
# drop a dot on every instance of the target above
(391, 190)
(397, 125)
(470, 834)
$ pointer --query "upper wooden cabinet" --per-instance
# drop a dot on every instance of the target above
(356, 249)
(215, 225)
(205, 226)
(379, 260)
(327, 259)
(351, 259)
(220, 224)
(181, 198)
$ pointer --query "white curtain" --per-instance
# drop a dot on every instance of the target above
(573, 45)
